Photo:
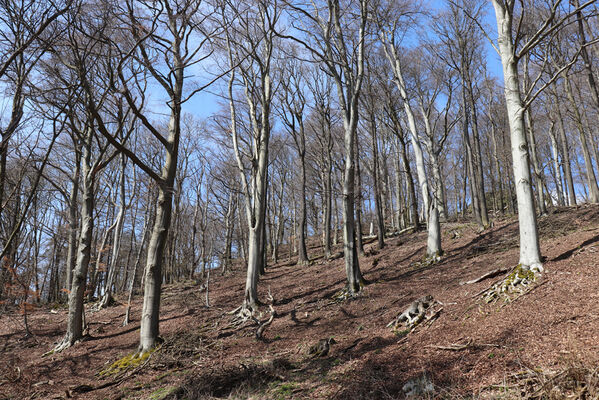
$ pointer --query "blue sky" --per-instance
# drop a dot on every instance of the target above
(205, 104)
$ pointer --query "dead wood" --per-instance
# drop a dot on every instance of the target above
(491, 274)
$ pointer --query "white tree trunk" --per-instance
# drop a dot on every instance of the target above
(530, 253)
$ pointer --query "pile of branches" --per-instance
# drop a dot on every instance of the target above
(573, 382)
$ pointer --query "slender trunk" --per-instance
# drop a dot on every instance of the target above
(357, 198)
(229, 225)
(588, 162)
(116, 241)
(328, 194)
(150, 315)
(412, 199)
(376, 183)
(303, 252)
(566, 163)
(135, 267)
(588, 66)
(95, 272)
(538, 173)
(73, 223)
(470, 162)
(478, 162)
(556, 169)
(76, 295)
(497, 169)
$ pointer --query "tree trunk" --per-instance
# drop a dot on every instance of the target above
(538, 174)
(566, 163)
(302, 257)
(73, 223)
(150, 315)
(530, 252)
(358, 206)
(380, 222)
(497, 169)
(478, 162)
(77, 293)
(116, 241)
(588, 162)
(135, 267)
(556, 168)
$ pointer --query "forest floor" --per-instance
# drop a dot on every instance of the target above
(542, 343)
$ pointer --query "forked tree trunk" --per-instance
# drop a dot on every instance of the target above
(77, 293)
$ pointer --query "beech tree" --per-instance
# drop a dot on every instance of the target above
(512, 50)
(250, 47)
(335, 35)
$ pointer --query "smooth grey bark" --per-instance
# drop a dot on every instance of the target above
(343, 57)
(530, 252)
(477, 159)
(412, 199)
(497, 168)
(539, 177)
(393, 58)
(116, 240)
(588, 65)
(588, 162)
(380, 219)
(73, 221)
(430, 208)
(358, 204)
(565, 151)
(556, 165)
(294, 102)
(76, 295)
(229, 227)
(135, 267)
(96, 270)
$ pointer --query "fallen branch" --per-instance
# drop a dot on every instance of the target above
(491, 274)
(452, 347)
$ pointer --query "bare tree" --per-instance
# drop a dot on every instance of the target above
(334, 33)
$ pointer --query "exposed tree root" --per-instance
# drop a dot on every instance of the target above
(263, 325)
(134, 361)
(246, 313)
(428, 260)
(106, 301)
(517, 282)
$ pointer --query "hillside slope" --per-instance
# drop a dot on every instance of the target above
(472, 350)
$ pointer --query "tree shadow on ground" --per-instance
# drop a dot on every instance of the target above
(235, 381)
(567, 254)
